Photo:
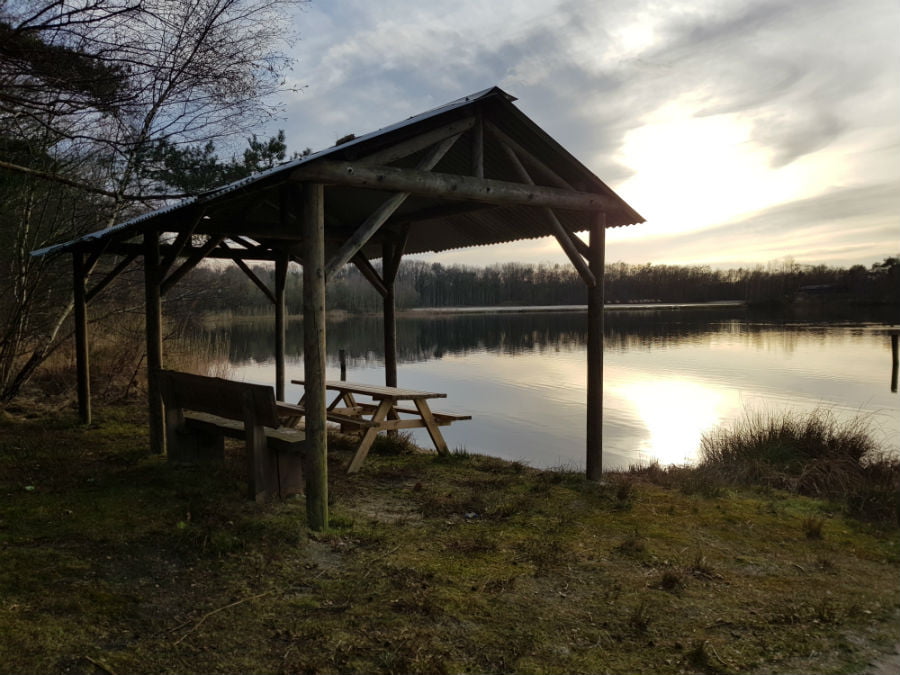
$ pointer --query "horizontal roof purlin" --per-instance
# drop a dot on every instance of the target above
(438, 222)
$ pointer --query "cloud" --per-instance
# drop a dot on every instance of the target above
(814, 82)
(799, 70)
(840, 227)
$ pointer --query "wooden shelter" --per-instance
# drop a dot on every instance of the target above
(472, 172)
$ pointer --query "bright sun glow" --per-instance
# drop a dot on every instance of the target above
(676, 413)
(693, 171)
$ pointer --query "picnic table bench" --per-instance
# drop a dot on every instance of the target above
(201, 411)
(383, 413)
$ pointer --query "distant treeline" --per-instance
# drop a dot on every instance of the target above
(421, 284)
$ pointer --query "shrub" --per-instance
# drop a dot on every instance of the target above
(814, 455)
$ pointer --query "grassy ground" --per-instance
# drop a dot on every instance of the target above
(115, 562)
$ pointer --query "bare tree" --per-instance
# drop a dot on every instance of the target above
(86, 88)
(116, 75)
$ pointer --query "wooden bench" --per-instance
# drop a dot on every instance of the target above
(200, 411)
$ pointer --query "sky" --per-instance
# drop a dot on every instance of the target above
(746, 132)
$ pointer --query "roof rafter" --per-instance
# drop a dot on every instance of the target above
(417, 143)
(563, 237)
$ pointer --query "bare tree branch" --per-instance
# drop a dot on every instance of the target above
(44, 175)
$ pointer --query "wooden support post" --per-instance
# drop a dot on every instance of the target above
(594, 460)
(153, 321)
(342, 357)
(82, 353)
(281, 266)
(312, 217)
(390, 317)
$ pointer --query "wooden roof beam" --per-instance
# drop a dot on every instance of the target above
(370, 273)
(246, 242)
(181, 241)
(365, 231)
(193, 260)
(113, 273)
(444, 210)
(448, 186)
(260, 253)
(255, 231)
(371, 225)
(94, 258)
(562, 236)
(250, 274)
(417, 143)
(528, 158)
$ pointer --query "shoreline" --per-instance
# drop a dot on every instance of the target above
(529, 309)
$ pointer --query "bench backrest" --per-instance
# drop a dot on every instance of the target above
(217, 396)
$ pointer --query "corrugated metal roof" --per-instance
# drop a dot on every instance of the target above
(248, 205)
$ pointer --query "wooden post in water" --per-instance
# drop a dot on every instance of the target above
(281, 266)
(597, 255)
(342, 357)
(82, 354)
(153, 325)
(312, 217)
(894, 360)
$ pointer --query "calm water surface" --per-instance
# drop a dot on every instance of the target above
(670, 375)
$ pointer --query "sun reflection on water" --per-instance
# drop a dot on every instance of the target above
(676, 413)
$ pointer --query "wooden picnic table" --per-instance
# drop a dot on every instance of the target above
(384, 413)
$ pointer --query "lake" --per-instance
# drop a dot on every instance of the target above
(671, 374)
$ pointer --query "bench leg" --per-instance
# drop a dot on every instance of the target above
(369, 437)
(436, 436)
(289, 465)
(347, 399)
(262, 469)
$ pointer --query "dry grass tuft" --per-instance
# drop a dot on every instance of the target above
(814, 455)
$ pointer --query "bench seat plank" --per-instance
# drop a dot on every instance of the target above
(449, 417)
(377, 391)
(284, 436)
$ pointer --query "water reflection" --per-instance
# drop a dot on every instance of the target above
(670, 375)
(420, 338)
(676, 412)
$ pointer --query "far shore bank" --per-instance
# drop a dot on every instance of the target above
(339, 314)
